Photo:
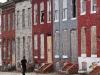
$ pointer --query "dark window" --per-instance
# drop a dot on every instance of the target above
(74, 8)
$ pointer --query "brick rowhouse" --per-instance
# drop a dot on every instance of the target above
(8, 32)
(42, 30)
(88, 30)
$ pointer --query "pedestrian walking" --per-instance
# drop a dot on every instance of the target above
(23, 63)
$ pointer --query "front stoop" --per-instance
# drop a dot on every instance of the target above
(46, 68)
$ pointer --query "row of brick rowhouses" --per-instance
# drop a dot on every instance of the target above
(51, 31)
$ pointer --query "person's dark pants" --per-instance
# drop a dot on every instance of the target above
(23, 72)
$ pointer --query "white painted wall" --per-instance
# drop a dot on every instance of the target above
(26, 32)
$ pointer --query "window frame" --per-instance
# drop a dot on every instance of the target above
(42, 13)
(35, 13)
(92, 6)
(49, 11)
(64, 11)
(56, 9)
(81, 7)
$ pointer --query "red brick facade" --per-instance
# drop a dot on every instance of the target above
(7, 35)
(87, 21)
(45, 28)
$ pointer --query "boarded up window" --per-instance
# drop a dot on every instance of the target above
(4, 22)
(13, 51)
(42, 45)
(93, 40)
(8, 21)
(35, 14)
(83, 40)
(18, 47)
(65, 42)
(74, 45)
(57, 40)
(18, 19)
(29, 17)
(35, 41)
(9, 52)
(13, 20)
(23, 18)
(84, 66)
(29, 48)
(23, 46)
(4, 51)
(48, 10)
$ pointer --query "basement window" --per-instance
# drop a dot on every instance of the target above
(42, 12)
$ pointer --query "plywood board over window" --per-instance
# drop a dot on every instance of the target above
(4, 50)
(74, 45)
(13, 51)
(57, 40)
(9, 51)
(49, 11)
(65, 43)
(4, 22)
(42, 45)
(8, 21)
(83, 42)
(35, 13)
(35, 45)
(93, 41)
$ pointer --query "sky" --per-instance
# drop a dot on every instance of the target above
(3, 1)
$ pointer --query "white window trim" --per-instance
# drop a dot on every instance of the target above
(64, 19)
(92, 7)
(82, 13)
(73, 18)
(93, 55)
(56, 56)
(83, 55)
(35, 56)
(56, 21)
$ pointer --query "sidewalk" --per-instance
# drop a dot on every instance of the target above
(17, 73)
